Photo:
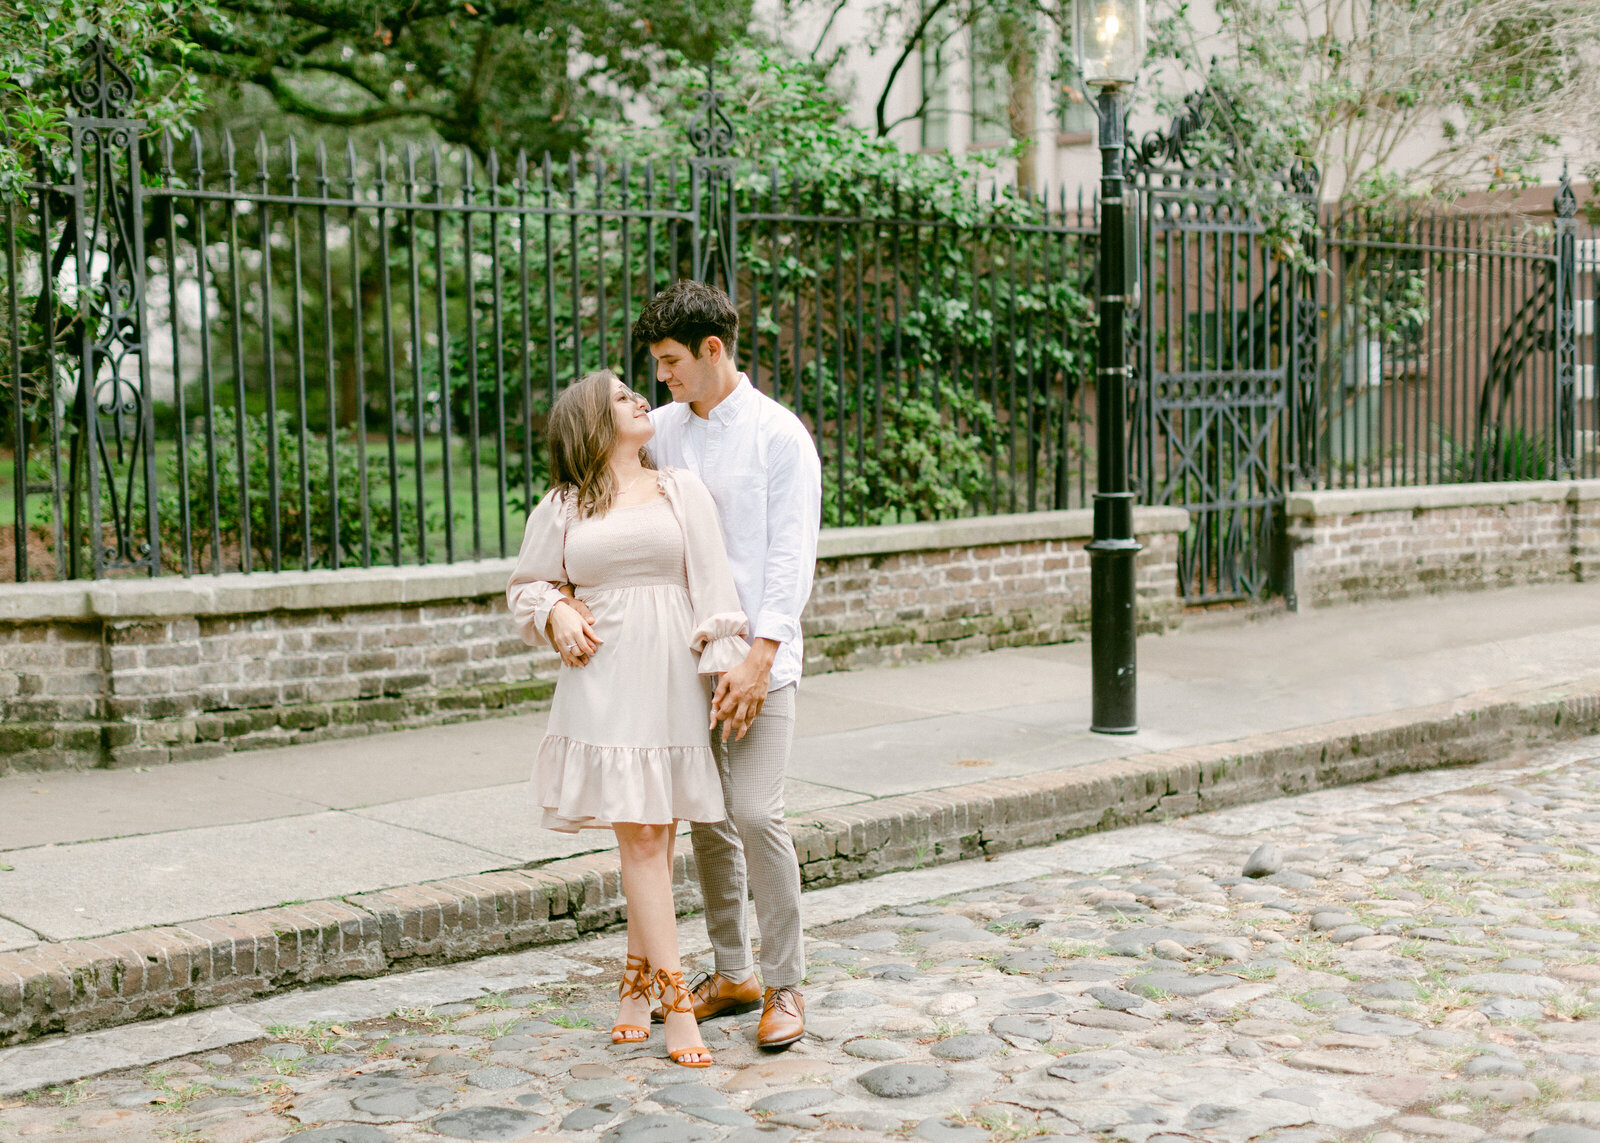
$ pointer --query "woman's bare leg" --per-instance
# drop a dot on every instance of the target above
(647, 882)
(634, 1010)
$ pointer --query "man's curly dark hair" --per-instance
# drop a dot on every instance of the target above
(688, 312)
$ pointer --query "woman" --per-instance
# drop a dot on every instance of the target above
(628, 746)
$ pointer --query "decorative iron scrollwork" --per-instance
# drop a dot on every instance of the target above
(1171, 147)
(1566, 327)
(1175, 146)
(711, 131)
(106, 91)
(1305, 178)
(111, 490)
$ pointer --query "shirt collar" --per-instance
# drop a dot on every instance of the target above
(733, 404)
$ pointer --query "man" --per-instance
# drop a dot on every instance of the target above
(763, 471)
(762, 468)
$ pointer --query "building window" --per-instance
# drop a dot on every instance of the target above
(936, 86)
(1076, 113)
(991, 83)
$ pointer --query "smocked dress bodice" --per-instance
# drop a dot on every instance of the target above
(637, 546)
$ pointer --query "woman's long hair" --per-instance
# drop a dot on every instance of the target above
(581, 434)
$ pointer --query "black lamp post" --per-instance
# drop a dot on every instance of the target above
(1110, 47)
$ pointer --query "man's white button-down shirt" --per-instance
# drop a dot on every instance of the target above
(762, 468)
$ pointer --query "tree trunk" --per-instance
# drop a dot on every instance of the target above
(1022, 65)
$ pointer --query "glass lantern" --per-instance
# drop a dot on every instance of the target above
(1110, 41)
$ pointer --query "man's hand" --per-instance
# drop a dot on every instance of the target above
(571, 631)
(742, 692)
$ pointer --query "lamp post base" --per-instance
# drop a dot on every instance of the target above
(1113, 631)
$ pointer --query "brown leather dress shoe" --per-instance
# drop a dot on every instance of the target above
(783, 1018)
(716, 995)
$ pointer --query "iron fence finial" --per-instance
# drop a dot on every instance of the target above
(1566, 199)
(106, 90)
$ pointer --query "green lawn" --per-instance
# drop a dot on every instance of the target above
(433, 483)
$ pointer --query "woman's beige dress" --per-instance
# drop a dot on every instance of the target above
(628, 738)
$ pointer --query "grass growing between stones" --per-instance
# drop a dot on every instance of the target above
(1012, 929)
(1313, 956)
(1002, 1124)
(1573, 1007)
(318, 1036)
(184, 1135)
(66, 1096)
(567, 1020)
(497, 1028)
(427, 1017)
(176, 1097)
(1255, 973)
(1437, 998)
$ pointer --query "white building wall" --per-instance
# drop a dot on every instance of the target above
(866, 36)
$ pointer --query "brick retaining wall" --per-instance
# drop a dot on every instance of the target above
(918, 591)
(135, 672)
(1384, 543)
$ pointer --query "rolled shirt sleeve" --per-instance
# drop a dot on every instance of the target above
(794, 514)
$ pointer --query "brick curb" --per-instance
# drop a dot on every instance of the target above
(75, 986)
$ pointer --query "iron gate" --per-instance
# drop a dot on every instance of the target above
(1225, 354)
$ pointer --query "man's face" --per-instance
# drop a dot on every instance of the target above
(687, 377)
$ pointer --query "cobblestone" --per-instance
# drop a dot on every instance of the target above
(1142, 999)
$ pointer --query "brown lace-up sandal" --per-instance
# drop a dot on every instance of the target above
(636, 984)
(677, 997)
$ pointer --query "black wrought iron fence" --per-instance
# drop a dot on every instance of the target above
(940, 348)
(228, 358)
(1456, 347)
(234, 359)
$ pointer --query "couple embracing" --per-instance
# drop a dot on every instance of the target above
(668, 566)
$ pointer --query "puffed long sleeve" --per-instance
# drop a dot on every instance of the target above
(720, 624)
(541, 565)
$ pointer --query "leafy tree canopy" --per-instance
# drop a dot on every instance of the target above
(42, 43)
(477, 73)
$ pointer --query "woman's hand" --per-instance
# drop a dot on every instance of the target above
(572, 632)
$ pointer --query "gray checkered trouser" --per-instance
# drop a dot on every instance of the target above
(752, 851)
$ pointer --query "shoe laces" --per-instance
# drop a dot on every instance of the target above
(786, 1000)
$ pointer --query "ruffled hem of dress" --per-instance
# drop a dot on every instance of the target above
(583, 786)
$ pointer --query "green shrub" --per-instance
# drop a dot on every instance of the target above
(922, 463)
(1502, 454)
(300, 509)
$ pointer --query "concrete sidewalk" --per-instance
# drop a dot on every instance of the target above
(87, 854)
(99, 852)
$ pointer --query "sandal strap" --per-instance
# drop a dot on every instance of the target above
(636, 982)
(674, 980)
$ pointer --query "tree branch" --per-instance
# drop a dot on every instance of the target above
(295, 104)
(827, 27)
(913, 42)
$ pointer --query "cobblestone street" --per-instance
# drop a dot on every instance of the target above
(1416, 959)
